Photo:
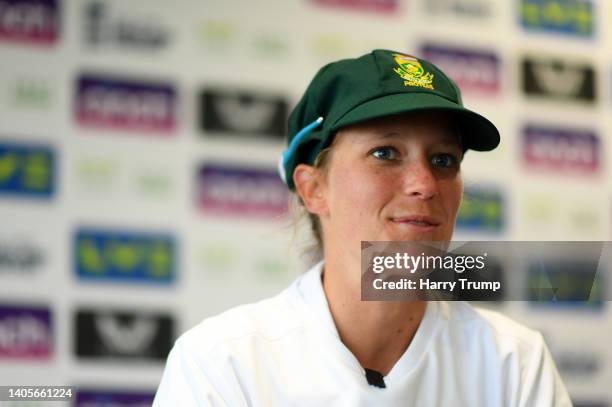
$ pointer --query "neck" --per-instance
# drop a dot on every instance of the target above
(376, 332)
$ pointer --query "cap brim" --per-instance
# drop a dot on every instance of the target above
(477, 132)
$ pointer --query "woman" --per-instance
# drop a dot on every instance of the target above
(375, 150)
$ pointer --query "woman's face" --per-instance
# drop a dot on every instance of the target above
(394, 178)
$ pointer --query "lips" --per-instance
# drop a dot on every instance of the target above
(419, 221)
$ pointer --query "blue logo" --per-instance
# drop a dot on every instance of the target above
(481, 210)
(563, 282)
(27, 170)
(124, 256)
(575, 17)
(101, 398)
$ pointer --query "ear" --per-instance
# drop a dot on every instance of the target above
(310, 186)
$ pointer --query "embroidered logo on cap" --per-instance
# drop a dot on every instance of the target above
(411, 70)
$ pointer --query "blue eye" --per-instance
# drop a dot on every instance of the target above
(444, 160)
(385, 153)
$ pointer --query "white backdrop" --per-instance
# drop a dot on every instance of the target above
(133, 169)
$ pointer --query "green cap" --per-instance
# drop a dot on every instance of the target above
(381, 83)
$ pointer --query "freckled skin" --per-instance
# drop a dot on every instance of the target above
(366, 191)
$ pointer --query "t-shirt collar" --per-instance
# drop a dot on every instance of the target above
(310, 289)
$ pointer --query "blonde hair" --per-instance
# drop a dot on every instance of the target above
(314, 252)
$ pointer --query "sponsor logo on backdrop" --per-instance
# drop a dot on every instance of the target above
(226, 37)
(469, 8)
(114, 398)
(556, 79)
(217, 35)
(270, 266)
(473, 71)
(109, 334)
(30, 93)
(577, 363)
(218, 259)
(244, 113)
(575, 17)
(547, 210)
(331, 45)
(97, 174)
(27, 170)
(241, 191)
(539, 209)
(103, 27)
(153, 184)
(561, 150)
(20, 256)
(25, 332)
(385, 6)
(103, 175)
(481, 210)
(102, 101)
(587, 218)
(30, 21)
(271, 45)
(564, 282)
(124, 256)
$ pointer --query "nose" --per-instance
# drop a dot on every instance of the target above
(419, 181)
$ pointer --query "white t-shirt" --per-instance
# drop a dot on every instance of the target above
(285, 351)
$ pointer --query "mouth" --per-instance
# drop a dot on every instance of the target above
(418, 222)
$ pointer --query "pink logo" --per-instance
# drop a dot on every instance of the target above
(385, 6)
(473, 71)
(561, 149)
(241, 191)
(25, 333)
(116, 103)
(31, 21)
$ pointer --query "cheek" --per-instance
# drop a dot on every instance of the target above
(358, 192)
(453, 191)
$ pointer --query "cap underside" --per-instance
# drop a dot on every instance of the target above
(477, 132)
